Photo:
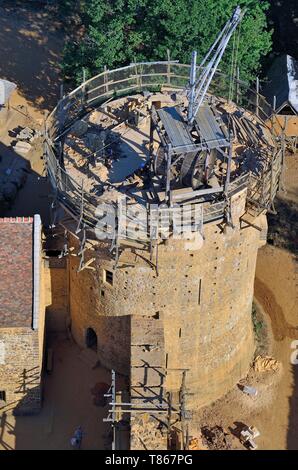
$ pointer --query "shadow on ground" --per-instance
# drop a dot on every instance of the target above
(31, 45)
(33, 197)
(67, 404)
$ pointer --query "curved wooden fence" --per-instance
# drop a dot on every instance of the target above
(151, 76)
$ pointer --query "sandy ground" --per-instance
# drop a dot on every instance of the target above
(33, 197)
(68, 403)
(276, 289)
(31, 45)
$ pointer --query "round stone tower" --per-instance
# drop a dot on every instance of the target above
(163, 224)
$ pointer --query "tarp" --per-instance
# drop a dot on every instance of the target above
(283, 83)
(6, 89)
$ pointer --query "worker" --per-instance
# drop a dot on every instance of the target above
(76, 440)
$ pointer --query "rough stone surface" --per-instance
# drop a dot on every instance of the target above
(203, 297)
(20, 373)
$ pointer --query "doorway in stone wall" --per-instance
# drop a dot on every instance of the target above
(91, 339)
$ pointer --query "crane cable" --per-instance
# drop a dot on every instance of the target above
(234, 62)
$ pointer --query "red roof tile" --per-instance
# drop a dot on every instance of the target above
(16, 272)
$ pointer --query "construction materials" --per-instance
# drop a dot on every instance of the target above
(247, 436)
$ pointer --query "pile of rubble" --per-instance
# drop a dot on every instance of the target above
(146, 434)
(266, 363)
(216, 438)
(24, 140)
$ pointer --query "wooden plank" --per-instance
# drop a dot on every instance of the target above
(209, 128)
(175, 126)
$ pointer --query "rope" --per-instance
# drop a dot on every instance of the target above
(234, 62)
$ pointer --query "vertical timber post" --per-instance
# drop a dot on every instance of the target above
(61, 91)
(227, 182)
(151, 141)
(83, 87)
(237, 86)
(105, 79)
(168, 68)
(168, 181)
(257, 95)
(192, 81)
(113, 393)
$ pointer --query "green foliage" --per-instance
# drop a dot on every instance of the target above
(257, 323)
(65, 7)
(117, 32)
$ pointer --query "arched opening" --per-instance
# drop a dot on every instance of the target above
(91, 339)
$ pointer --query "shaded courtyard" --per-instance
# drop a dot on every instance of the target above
(68, 403)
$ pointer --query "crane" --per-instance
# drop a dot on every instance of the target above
(199, 87)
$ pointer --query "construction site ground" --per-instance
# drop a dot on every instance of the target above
(68, 401)
(274, 411)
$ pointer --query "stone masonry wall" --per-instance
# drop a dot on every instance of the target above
(57, 311)
(204, 298)
(113, 332)
(20, 370)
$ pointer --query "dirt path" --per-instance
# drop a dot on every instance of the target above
(278, 269)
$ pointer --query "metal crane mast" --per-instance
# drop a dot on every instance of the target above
(198, 88)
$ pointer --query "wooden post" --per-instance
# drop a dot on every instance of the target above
(113, 393)
(105, 79)
(138, 78)
(227, 182)
(192, 81)
(169, 415)
(237, 86)
(168, 68)
(257, 95)
(151, 142)
(182, 409)
(168, 181)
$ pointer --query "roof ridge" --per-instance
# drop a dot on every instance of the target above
(16, 220)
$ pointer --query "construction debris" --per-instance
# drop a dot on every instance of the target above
(266, 363)
(216, 438)
(27, 134)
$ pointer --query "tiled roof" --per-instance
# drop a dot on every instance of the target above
(16, 271)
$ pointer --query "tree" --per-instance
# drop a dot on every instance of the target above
(118, 32)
